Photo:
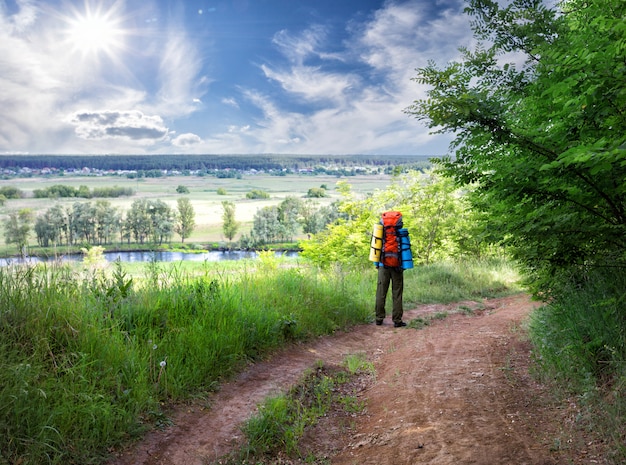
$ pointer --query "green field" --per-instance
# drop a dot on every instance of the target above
(202, 193)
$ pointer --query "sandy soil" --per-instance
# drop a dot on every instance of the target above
(456, 392)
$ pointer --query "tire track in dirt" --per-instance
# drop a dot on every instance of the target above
(438, 397)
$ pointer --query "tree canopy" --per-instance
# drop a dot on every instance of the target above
(538, 110)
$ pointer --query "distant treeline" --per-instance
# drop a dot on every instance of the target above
(203, 162)
(84, 192)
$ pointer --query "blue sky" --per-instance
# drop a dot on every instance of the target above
(220, 76)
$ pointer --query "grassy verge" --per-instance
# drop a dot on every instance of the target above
(91, 355)
(580, 343)
(274, 434)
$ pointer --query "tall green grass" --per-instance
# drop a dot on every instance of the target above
(580, 343)
(89, 356)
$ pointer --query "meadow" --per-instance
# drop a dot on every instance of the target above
(93, 356)
(203, 194)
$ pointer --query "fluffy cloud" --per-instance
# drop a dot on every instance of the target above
(106, 124)
(186, 140)
(350, 111)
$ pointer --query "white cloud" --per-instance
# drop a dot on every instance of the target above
(313, 101)
(22, 20)
(358, 113)
(313, 84)
(230, 102)
(179, 76)
(299, 47)
(186, 140)
(45, 83)
(111, 124)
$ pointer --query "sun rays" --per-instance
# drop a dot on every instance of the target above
(96, 31)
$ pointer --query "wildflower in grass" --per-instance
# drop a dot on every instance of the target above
(162, 364)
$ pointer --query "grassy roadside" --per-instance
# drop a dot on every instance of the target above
(275, 433)
(91, 355)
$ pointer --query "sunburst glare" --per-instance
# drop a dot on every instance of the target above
(96, 31)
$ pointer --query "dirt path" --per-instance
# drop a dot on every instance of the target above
(456, 392)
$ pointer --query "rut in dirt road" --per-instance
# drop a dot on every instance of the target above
(441, 395)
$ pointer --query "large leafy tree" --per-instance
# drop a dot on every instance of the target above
(544, 143)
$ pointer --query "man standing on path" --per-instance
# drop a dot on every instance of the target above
(391, 254)
(396, 277)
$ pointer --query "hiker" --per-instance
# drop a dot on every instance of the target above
(391, 253)
(395, 275)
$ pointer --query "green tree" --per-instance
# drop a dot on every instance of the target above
(182, 189)
(289, 215)
(52, 227)
(185, 219)
(316, 192)
(311, 218)
(230, 225)
(163, 220)
(83, 222)
(138, 222)
(107, 222)
(257, 194)
(11, 192)
(17, 228)
(266, 227)
(543, 143)
(432, 209)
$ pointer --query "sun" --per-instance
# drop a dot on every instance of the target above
(95, 31)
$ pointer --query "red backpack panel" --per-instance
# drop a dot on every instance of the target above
(391, 221)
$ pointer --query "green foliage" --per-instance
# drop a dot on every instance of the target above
(433, 211)
(257, 194)
(60, 190)
(151, 220)
(316, 192)
(543, 147)
(11, 192)
(182, 189)
(275, 224)
(88, 355)
(281, 420)
(94, 256)
(221, 191)
(17, 228)
(581, 348)
(543, 144)
(185, 218)
(230, 225)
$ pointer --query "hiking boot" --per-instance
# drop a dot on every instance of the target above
(379, 322)
(399, 324)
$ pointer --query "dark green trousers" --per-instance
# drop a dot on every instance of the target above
(395, 276)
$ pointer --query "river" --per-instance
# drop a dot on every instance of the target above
(147, 256)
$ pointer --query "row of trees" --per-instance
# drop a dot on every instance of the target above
(222, 163)
(155, 222)
(281, 223)
(60, 190)
(100, 223)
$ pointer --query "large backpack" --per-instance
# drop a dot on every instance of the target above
(392, 223)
